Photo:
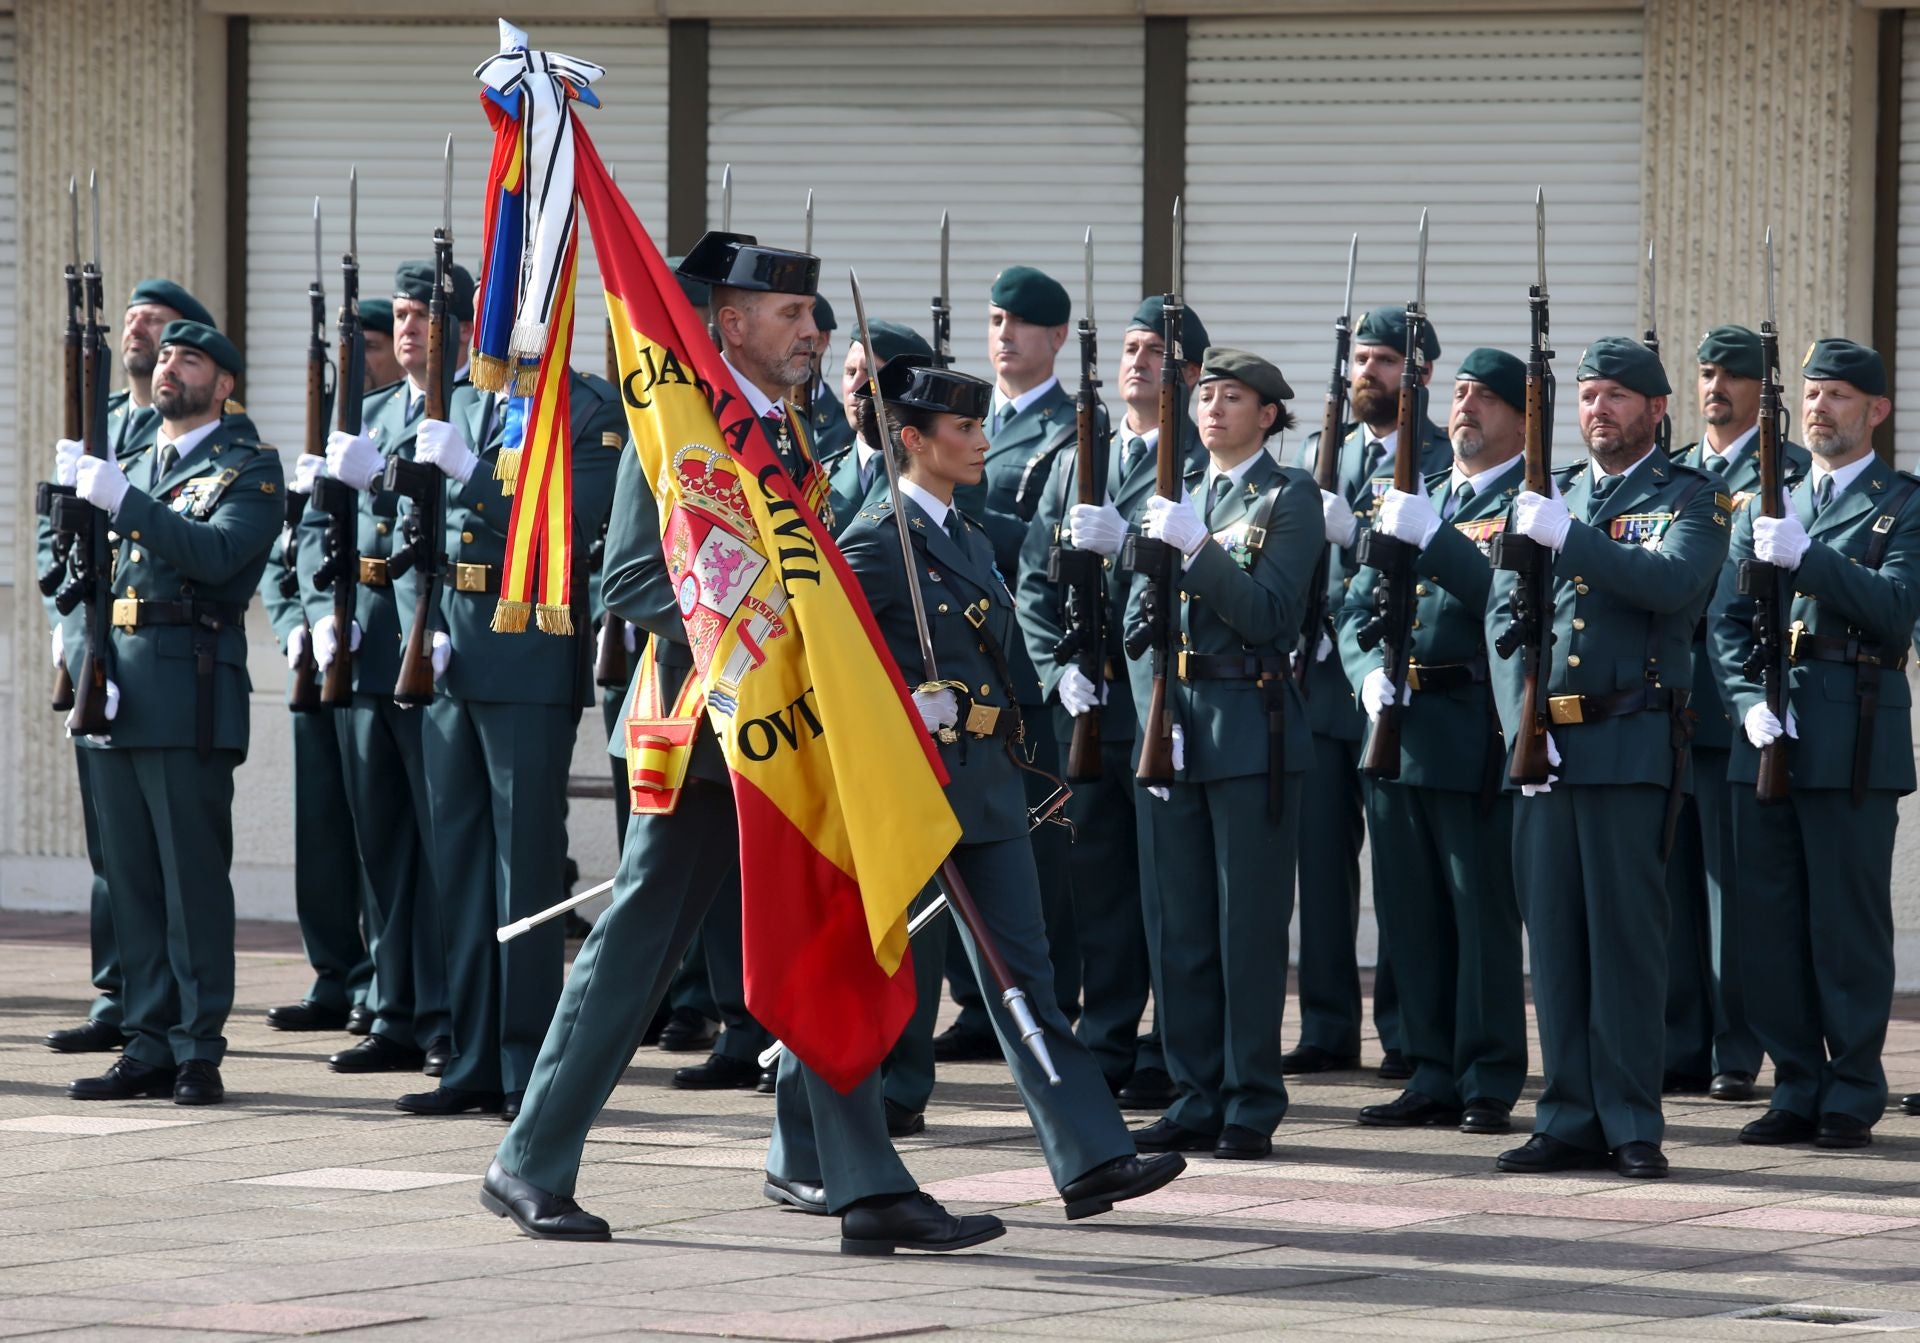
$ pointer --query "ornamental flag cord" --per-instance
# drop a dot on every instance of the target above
(789, 667)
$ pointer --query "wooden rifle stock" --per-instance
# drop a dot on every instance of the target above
(1767, 583)
(73, 405)
(303, 692)
(1084, 593)
(342, 506)
(414, 684)
(1382, 757)
(1156, 746)
(1530, 763)
(89, 714)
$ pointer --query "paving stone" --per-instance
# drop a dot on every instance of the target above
(88, 1125)
(283, 1318)
(362, 1177)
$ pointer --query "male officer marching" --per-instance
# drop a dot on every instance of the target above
(195, 516)
(1639, 541)
(1332, 808)
(1851, 543)
(1709, 1042)
(856, 476)
(1443, 830)
(827, 427)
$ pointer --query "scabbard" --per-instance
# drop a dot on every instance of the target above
(1275, 689)
(1866, 689)
(1680, 734)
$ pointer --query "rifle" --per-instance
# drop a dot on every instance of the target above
(422, 484)
(1081, 573)
(1663, 435)
(95, 580)
(610, 645)
(942, 310)
(303, 695)
(1155, 559)
(1326, 474)
(340, 570)
(1393, 559)
(726, 226)
(1530, 631)
(1766, 584)
(73, 404)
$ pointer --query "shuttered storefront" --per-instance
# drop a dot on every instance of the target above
(16, 473)
(1906, 370)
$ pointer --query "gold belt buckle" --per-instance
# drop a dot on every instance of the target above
(1180, 664)
(982, 719)
(1413, 676)
(1793, 640)
(373, 571)
(1565, 709)
(126, 612)
(469, 578)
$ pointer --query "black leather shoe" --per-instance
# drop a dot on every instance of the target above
(1118, 1180)
(1640, 1161)
(902, 1122)
(376, 1054)
(1684, 1084)
(1147, 1089)
(449, 1101)
(360, 1020)
(1731, 1087)
(1843, 1131)
(198, 1083)
(1544, 1154)
(1911, 1104)
(1163, 1135)
(1240, 1143)
(128, 1079)
(1313, 1059)
(913, 1221)
(1776, 1127)
(719, 1073)
(439, 1054)
(306, 1015)
(769, 1082)
(687, 1032)
(537, 1213)
(1486, 1116)
(1394, 1067)
(510, 1105)
(94, 1037)
(797, 1194)
(958, 1044)
(1409, 1110)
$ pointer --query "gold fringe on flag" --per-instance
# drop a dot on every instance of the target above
(506, 468)
(553, 619)
(488, 372)
(526, 378)
(511, 617)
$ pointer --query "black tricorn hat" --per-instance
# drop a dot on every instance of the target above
(738, 260)
(911, 380)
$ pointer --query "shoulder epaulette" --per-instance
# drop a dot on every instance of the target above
(1436, 477)
(1679, 453)
(385, 389)
(1566, 473)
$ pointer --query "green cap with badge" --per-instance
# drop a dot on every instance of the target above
(1837, 359)
(414, 280)
(170, 295)
(1735, 349)
(1627, 362)
(1032, 296)
(1388, 326)
(1504, 375)
(376, 314)
(202, 337)
(1151, 316)
(1223, 361)
(893, 339)
(699, 293)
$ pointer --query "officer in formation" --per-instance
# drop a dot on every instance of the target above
(827, 425)
(856, 477)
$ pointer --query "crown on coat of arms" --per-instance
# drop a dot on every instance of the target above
(713, 489)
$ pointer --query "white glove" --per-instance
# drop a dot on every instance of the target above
(441, 653)
(631, 633)
(939, 708)
(353, 459)
(1077, 693)
(1763, 729)
(113, 700)
(1780, 541)
(1553, 758)
(101, 484)
(440, 445)
(326, 640)
(1407, 517)
(309, 468)
(1178, 524)
(1337, 513)
(1161, 791)
(1542, 518)
(297, 645)
(1096, 527)
(1376, 693)
(1324, 649)
(59, 651)
(66, 459)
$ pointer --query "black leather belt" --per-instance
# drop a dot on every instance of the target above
(1228, 666)
(1592, 708)
(130, 614)
(1805, 647)
(1446, 675)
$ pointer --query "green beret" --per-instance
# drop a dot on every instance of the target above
(1032, 296)
(414, 280)
(1627, 362)
(1221, 361)
(1505, 375)
(699, 293)
(1841, 360)
(893, 339)
(376, 314)
(170, 295)
(1151, 315)
(823, 317)
(1735, 349)
(204, 338)
(1388, 326)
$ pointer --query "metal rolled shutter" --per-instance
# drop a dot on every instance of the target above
(15, 472)
(1906, 371)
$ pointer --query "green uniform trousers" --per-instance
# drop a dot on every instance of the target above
(1707, 1026)
(613, 701)
(169, 867)
(670, 870)
(105, 954)
(329, 882)
(1218, 948)
(1816, 930)
(387, 789)
(1586, 861)
(497, 785)
(907, 1073)
(1443, 884)
(741, 1037)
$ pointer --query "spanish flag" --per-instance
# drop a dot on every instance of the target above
(842, 817)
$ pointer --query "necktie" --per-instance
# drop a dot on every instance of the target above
(1601, 489)
(169, 457)
(1717, 463)
(1222, 487)
(957, 529)
(1135, 450)
(416, 404)
(999, 419)
(1376, 454)
(1458, 499)
(1822, 495)
(866, 474)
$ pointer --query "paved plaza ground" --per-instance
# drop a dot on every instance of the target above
(307, 1205)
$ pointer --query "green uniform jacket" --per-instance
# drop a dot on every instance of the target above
(1628, 590)
(529, 667)
(1444, 734)
(284, 613)
(843, 486)
(201, 532)
(1835, 596)
(984, 787)
(831, 435)
(1018, 449)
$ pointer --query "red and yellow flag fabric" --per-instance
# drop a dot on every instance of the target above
(842, 816)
